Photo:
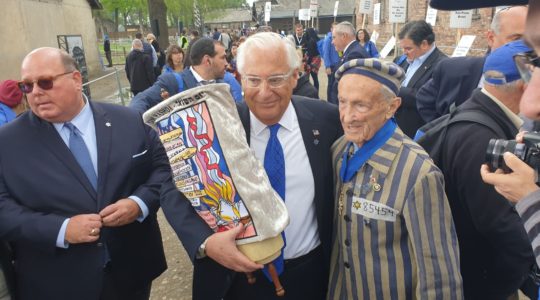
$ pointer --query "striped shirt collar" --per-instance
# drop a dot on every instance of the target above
(382, 159)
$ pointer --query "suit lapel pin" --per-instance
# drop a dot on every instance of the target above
(376, 187)
(108, 124)
(316, 135)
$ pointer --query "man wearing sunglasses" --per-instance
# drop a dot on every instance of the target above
(304, 129)
(79, 190)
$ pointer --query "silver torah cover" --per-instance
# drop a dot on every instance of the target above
(213, 165)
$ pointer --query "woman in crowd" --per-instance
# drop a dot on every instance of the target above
(231, 59)
(160, 55)
(362, 36)
(175, 59)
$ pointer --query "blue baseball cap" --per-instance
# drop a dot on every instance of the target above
(499, 67)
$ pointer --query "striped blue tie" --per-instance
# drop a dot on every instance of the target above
(80, 151)
(274, 164)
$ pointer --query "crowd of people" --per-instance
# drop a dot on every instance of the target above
(372, 215)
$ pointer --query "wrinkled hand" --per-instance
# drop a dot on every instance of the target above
(83, 229)
(513, 186)
(221, 247)
(122, 212)
(328, 71)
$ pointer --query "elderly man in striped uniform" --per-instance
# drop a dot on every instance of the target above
(393, 232)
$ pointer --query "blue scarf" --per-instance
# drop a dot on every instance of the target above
(349, 167)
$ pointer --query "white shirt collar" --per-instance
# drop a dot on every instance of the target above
(515, 119)
(286, 121)
(347, 47)
(424, 56)
(81, 120)
(195, 74)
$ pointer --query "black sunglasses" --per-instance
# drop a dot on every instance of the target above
(45, 83)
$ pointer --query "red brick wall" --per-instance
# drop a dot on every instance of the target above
(445, 37)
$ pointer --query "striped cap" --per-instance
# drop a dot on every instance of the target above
(387, 73)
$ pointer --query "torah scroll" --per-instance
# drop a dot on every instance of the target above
(216, 170)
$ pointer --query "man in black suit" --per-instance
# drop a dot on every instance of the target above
(454, 79)
(417, 40)
(79, 190)
(209, 62)
(307, 129)
(344, 40)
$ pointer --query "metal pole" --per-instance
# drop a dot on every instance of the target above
(119, 87)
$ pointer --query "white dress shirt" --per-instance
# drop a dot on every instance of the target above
(302, 233)
(415, 65)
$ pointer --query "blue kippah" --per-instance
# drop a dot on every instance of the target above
(387, 73)
(499, 67)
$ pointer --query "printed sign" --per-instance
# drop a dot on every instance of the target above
(431, 15)
(313, 8)
(461, 19)
(388, 47)
(374, 36)
(365, 6)
(373, 210)
(303, 14)
(267, 10)
(398, 11)
(376, 14)
(464, 45)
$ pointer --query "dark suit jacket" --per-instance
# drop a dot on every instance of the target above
(41, 184)
(495, 252)
(469, 4)
(312, 115)
(139, 71)
(407, 115)
(354, 51)
(453, 81)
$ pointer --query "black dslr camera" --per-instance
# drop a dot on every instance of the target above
(528, 151)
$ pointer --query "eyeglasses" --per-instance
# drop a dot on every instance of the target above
(45, 83)
(525, 63)
(273, 82)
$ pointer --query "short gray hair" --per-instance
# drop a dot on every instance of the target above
(267, 41)
(137, 44)
(345, 28)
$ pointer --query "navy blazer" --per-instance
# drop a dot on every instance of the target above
(453, 81)
(318, 121)
(41, 184)
(407, 115)
(354, 51)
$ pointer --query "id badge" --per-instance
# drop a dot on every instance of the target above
(373, 210)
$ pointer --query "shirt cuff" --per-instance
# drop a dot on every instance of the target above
(142, 206)
(61, 238)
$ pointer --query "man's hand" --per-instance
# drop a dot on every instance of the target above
(328, 71)
(122, 212)
(221, 247)
(513, 186)
(83, 229)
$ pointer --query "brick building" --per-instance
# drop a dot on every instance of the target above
(445, 37)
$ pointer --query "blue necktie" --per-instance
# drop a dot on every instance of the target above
(274, 164)
(80, 151)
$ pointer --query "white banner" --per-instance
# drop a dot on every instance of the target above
(398, 11)
(303, 14)
(431, 15)
(376, 14)
(313, 8)
(267, 10)
(374, 36)
(460, 19)
(336, 8)
(365, 6)
(388, 47)
(464, 45)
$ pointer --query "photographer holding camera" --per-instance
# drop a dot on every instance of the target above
(495, 253)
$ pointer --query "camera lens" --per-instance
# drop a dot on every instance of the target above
(495, 150)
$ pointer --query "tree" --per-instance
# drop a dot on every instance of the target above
(157, 11)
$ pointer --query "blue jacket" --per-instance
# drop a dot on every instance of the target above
(329, 55)
(371, 49)
(6, 114)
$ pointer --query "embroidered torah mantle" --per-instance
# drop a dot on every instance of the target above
(216, 170)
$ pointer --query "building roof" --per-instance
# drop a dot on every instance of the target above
(231, 15)
(95, 4)
(289, 8)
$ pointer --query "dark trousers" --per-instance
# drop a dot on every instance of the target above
(330, 84)
(305, 277)
(109, 58)
(111, 290)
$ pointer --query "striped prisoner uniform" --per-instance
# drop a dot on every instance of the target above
(393, 232)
